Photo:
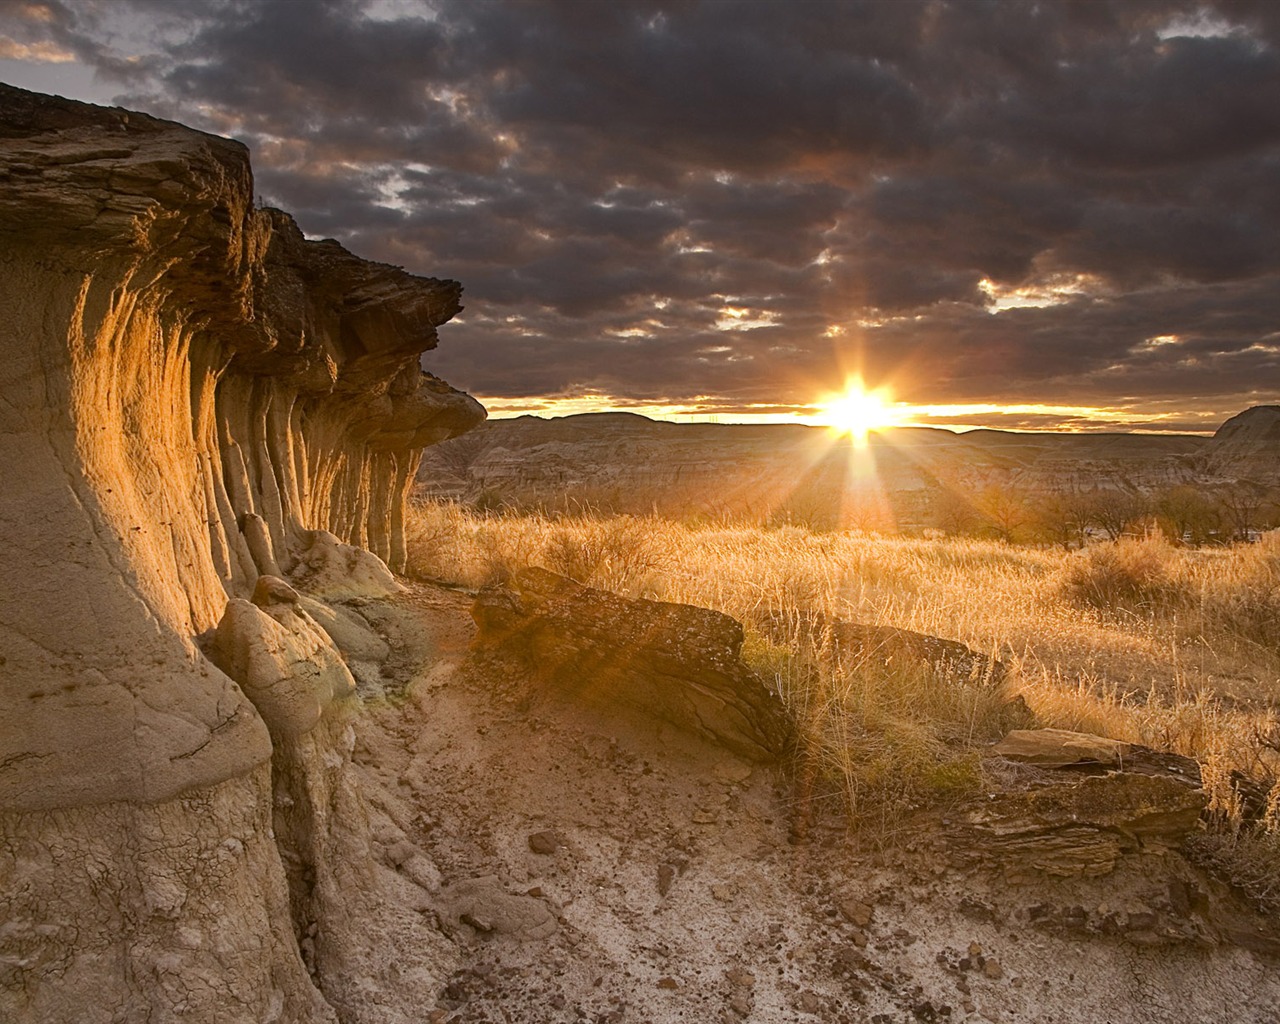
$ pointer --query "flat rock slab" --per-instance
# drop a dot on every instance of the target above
(675, 662)
(1057, 748)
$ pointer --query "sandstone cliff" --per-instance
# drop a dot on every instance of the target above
(194, 396)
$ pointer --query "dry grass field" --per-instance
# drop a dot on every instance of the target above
(1176, 648)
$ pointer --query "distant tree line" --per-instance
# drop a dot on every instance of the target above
(1184, 513)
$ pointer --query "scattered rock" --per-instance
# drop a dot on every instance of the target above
(284, 662)
(1067, 825)
(329, 569)
(483, 906)
(544, 843)
(857, 912)
(856, 641)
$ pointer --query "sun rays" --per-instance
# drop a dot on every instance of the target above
(858, 410)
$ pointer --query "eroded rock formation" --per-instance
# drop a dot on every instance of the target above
(195, 396)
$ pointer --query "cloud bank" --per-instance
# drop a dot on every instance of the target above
(729, 207)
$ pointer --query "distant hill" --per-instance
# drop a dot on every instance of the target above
(910, 477)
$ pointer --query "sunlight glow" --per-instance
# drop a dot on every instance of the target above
(856, 411)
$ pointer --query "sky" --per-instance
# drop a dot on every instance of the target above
(1030, 215)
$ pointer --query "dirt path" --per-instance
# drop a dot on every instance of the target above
(598, 868)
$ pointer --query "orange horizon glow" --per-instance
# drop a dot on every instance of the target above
(955, 417)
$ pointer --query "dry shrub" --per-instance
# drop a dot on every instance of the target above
(1233, 592)
(884, 738)
(1128, 575)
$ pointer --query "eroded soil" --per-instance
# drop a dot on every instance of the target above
(598, 867)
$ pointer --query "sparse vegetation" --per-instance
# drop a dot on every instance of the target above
(1140, 639)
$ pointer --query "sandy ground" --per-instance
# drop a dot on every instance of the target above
(589, 867)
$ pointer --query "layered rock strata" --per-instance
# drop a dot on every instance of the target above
(195, 397)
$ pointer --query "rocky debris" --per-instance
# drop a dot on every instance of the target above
(482, 907)
(349, 631)
(673, 662)
(857, 912)
(327, 568)
(853, 643)
(1152, 921)
(544, 843)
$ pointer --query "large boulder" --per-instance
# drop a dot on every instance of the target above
(674, 662)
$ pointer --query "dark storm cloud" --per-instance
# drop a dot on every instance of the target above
(852, 186)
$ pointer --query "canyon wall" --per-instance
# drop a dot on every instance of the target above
(192, 396)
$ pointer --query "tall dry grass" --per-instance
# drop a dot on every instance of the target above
(1140, 641)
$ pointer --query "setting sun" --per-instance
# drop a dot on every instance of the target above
(857, 411)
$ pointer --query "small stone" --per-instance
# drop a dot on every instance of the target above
(437, 1016)
(704, 817)
(734, 771)
(975, 950)
(668, 983)
(544, 843)
(992, 969)
(399, 852)
(739, 978)
(859, 938)
(666, 876)
(808, 1002)
(740, 1003)
(968, 1006)
(857, 912)
(724, 891)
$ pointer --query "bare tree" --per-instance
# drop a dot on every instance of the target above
(1005, 511)
(1187, 514)
(1062, 518)
(1114, 512)
(1242, 504)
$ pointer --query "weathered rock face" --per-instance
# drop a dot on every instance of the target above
(674, 662)
(1080, 804)
(194, 396)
